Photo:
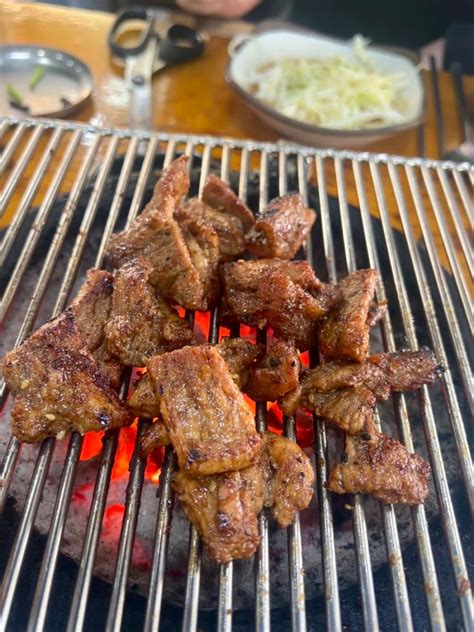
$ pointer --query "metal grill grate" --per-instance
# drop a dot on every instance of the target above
(408, 218)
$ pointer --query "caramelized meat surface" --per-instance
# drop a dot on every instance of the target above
(275, 374)
(345, 332)
(382, 467)
(144, 402)
(211, 427)
(58, 386)
(350, 409)
(281, 229)
(156, 237)
(228, 228)
(91, 310)
(141, 323)
(290, 311)
(286, 295)
(155, 437)
(289, 478)
(406, 370)
(202, 242)
(224, 509)
(219, 196)
(381, 374)
(239, 355)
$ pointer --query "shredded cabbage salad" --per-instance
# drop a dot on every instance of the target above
(335, 92)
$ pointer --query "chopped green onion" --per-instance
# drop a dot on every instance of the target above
(38, 74)
(14, 95)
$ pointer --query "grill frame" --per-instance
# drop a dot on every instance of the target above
(442, 185)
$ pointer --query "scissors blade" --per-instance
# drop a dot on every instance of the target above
(138, 72)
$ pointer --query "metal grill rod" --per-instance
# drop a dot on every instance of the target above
(262, 566)
(295, 548)
(331, 582)
(191, 604)
(21, 165)
(155, 592)
(226, 571)
(439, 474)
(394, 554)
(458, 224)
(418, 513)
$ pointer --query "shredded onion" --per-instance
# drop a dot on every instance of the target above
(334, 92)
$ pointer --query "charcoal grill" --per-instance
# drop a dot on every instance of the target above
(409, 218)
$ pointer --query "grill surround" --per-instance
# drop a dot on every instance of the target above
(434, 190)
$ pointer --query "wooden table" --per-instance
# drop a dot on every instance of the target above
(190, 98)
(193, 97)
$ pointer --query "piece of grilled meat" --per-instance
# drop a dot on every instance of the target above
(275, 373)
(381, 374)
(58, 386)
(202, 242)
(211, 427)
(219, 195)
(281, 228)
(289, 478)
(224, 509)
(286, 295)
(345, 331)
(376, 464)
(349, 409)
(141, 323)
(229, 229)
(238, 354)
(156, 236)
(155, 437)
(91, 310)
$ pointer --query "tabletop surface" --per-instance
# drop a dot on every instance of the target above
(193, 97)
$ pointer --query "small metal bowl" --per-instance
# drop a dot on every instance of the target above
(65, 85)
(275, 43)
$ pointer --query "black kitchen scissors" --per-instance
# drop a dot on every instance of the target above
(153, 51)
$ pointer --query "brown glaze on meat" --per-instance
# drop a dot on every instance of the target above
(211, 427)
(345, 332)
(224, 510)
(275, 374)
(239, 355)
(217, 194)
(57, 385)
(381, 374)
(281, 228)
(286, 295)
(171, 187)
(203, 246)
(141, 323)
(290, 311)
(289, 478)
(228, 228)
(350, 409)
(91, 310)
(156, 237)
(382, 467)
(144, 402)
(407, 370)
(155, 437)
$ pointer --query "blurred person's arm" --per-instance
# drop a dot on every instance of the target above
(218, 8)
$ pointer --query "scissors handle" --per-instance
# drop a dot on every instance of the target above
(129, 15)
(180, 44)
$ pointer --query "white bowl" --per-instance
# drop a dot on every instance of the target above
(272, 45)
